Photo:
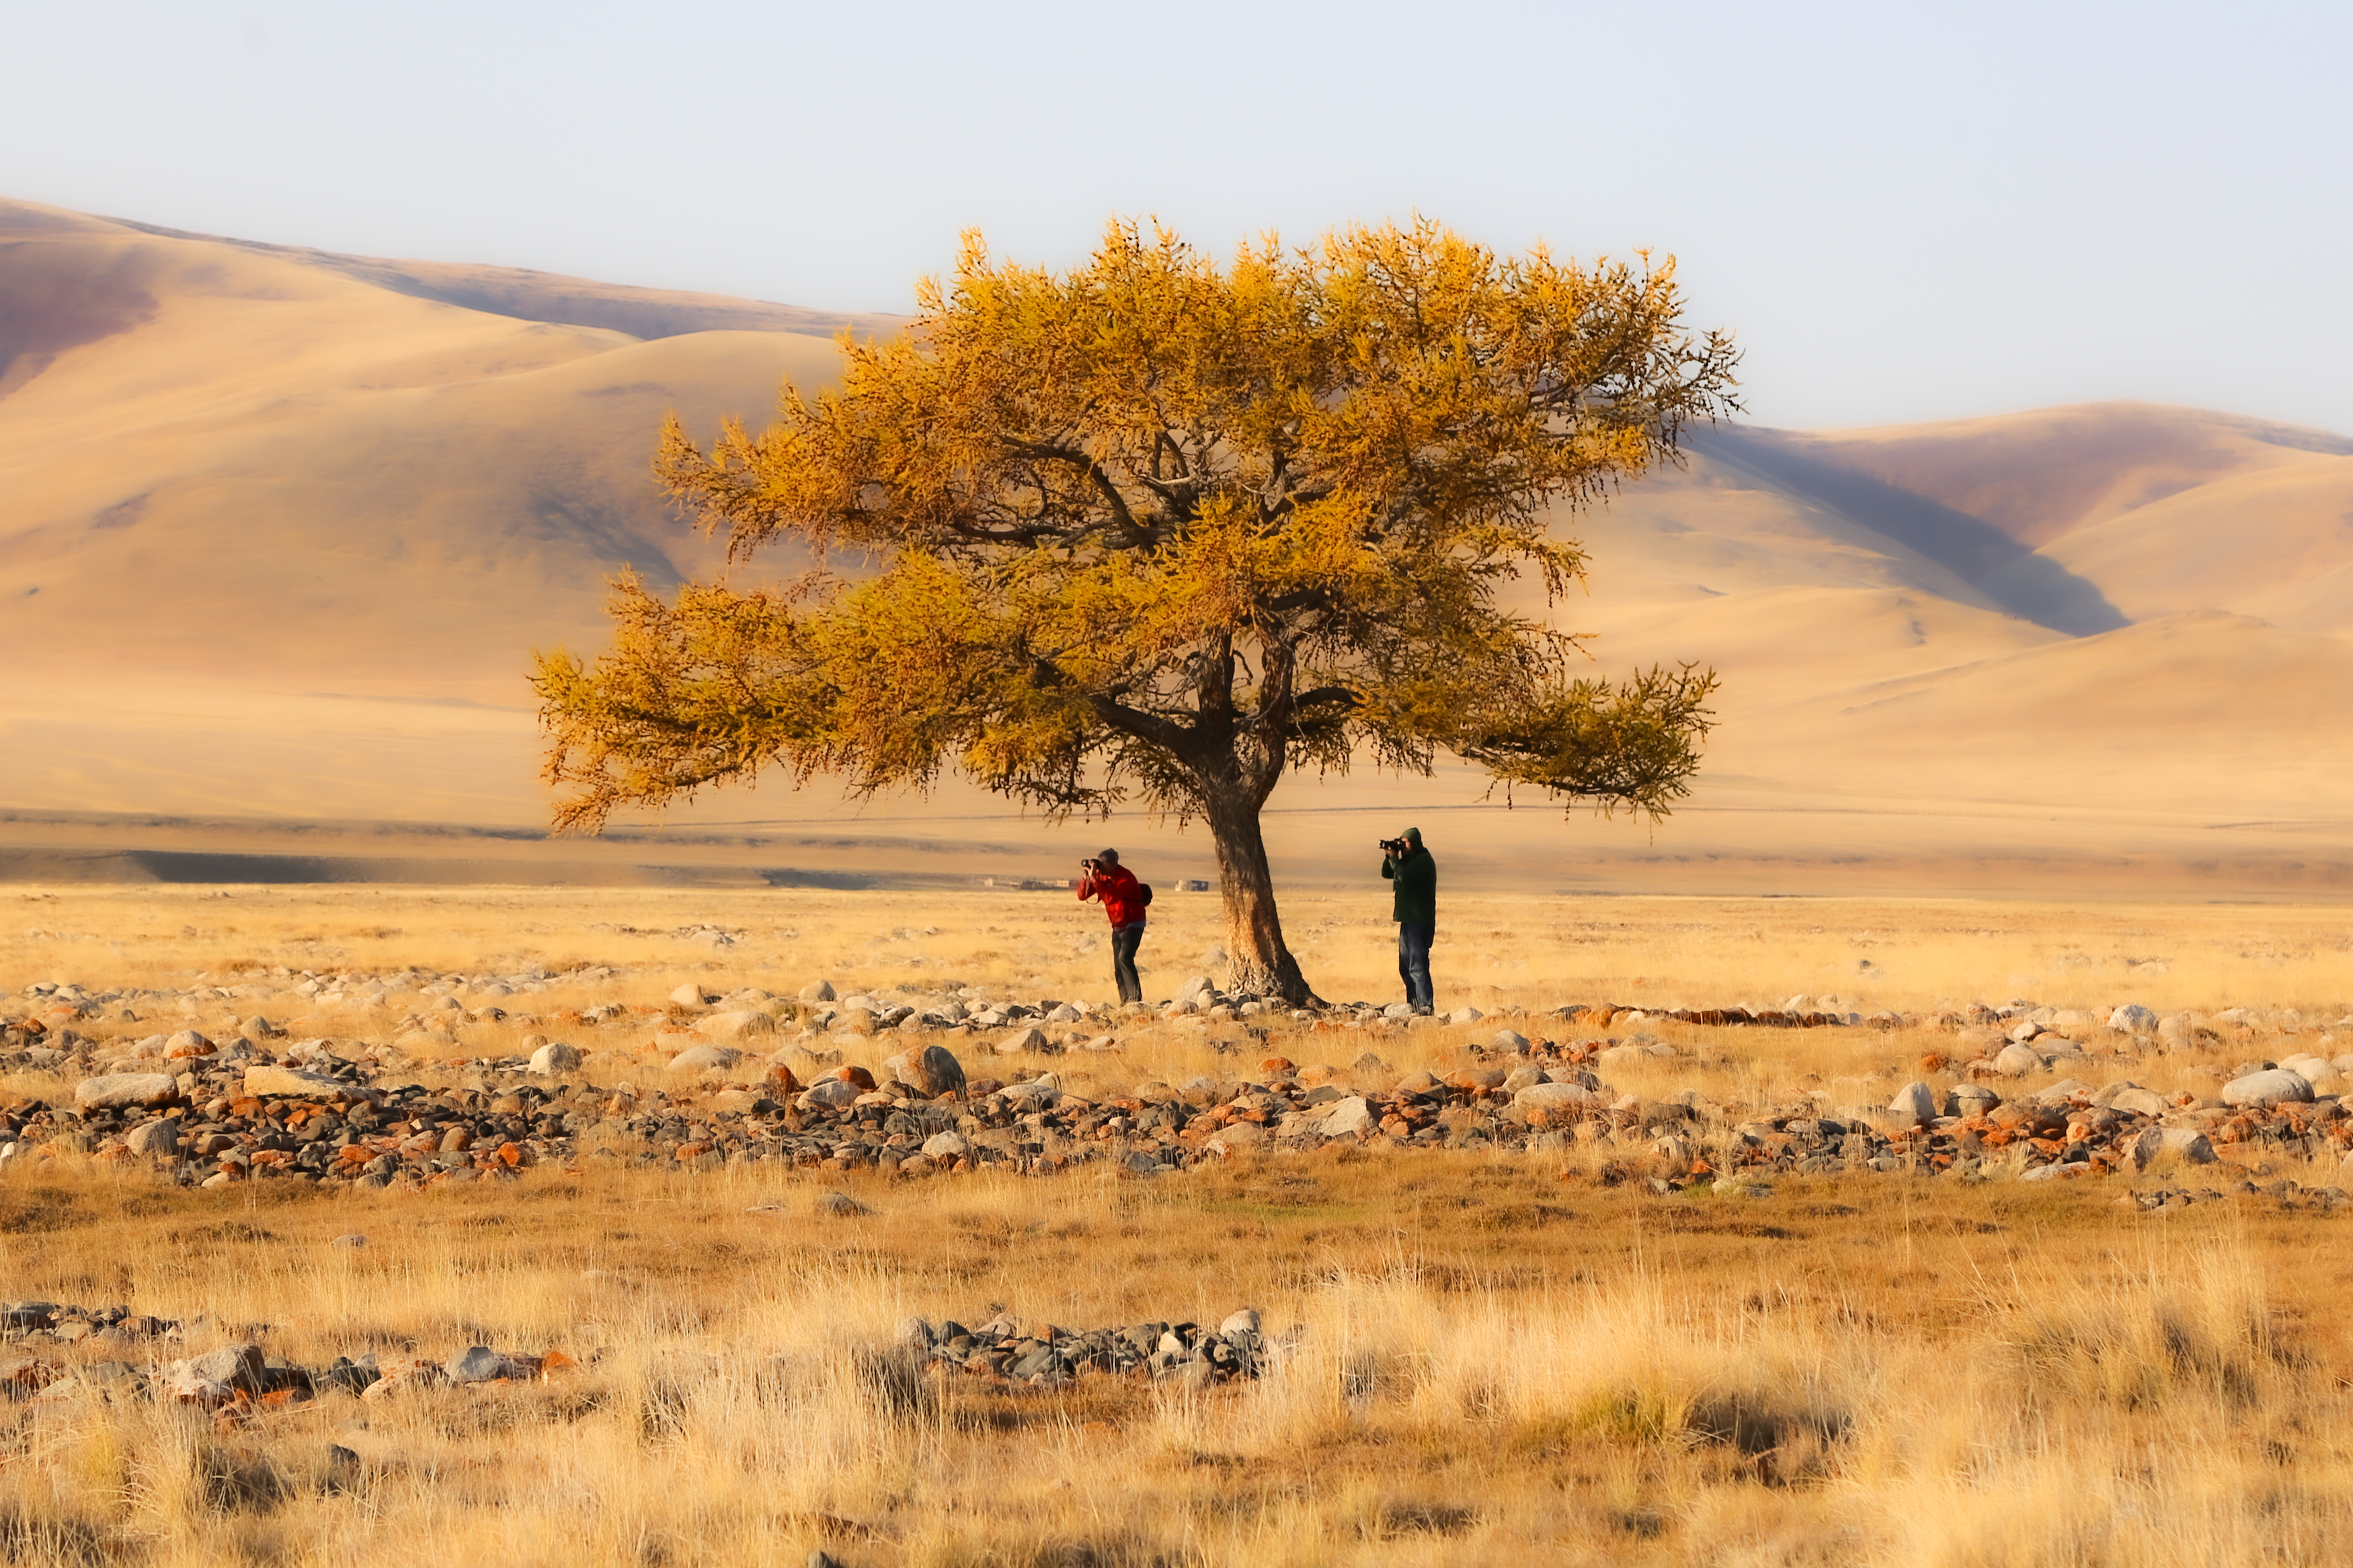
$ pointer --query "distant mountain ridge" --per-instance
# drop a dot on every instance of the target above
(280, 529)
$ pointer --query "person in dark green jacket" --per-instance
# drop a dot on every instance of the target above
(1415, 875)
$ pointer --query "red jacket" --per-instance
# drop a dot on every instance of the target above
(1122, 895)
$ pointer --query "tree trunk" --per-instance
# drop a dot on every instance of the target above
(1257, 959)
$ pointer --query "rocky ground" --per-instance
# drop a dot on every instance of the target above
(882, 1082)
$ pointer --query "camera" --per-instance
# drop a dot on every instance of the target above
(1091, 864)
(1393, 848)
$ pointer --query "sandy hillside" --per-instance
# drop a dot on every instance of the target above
(280, 528)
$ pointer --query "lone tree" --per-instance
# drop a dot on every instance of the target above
(1157, 531)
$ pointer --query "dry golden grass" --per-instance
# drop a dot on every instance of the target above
(1491, 1358)
(1488, 1361)
(1491, 951)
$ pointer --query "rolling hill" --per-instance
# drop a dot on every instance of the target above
(279, 528)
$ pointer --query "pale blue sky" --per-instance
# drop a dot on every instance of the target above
(1906, 211)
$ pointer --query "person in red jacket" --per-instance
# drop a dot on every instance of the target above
(1123, 899)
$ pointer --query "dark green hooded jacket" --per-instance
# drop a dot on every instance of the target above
(1416, 876)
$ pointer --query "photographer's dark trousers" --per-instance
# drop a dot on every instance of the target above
(1124, 941)
(1413, 964)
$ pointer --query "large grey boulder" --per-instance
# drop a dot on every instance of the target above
(1552, 1094)
(817, 991)
(1349, 1118)
(691, 994)
(2132, 1019)
(263, 1080)
(1510, 1041)
(555, 1057)
(947, 1146)
(160, 1136)
(2139, 1101)
(1914, 1103)
(1020, 1040)
(701, 1059)
(2276, 1086)
(117, 1091)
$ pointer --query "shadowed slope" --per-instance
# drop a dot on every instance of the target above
(2007, 572)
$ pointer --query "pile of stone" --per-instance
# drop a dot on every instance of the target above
(262, 1104)
(921, 1115)
(2069, 1129)
(1044, 1355)
(235, 1380)
(309, 1115)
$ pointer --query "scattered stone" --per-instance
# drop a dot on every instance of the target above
(117, 1090)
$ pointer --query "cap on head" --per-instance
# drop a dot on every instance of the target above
(1109, 857)
(1413, 837)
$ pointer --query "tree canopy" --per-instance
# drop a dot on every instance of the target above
(1156, 531)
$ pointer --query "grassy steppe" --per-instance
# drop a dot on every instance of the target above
(1489, 1358)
